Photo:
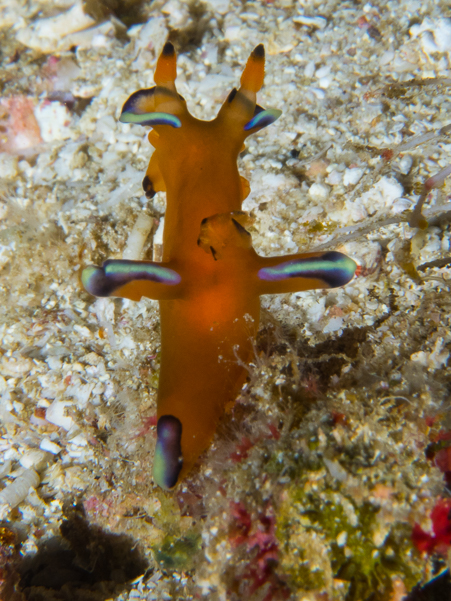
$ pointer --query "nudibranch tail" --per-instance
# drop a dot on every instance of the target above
(305, 272)
(132, 280)
(168, 459)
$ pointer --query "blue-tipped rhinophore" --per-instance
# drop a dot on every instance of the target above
(150, 119)
(115, 273)
(333, 268)
(168, 459)
(263, 119)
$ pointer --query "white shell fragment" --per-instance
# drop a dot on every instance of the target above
(435, 35)
(17, 491)
(335, 469)
(152, 34)
(5, 468)
(433, 360)
(319, 192)
(56, 414)
(401, 205)
(47, 35)
(51, 447)
(53, 119)
(405, 164)
(33, 458)
(158, 241)
(352, 176)
(335, 324)
(317, 22)
(383, 194)
(138, 237)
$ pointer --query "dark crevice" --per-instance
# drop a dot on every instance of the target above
(130, 12)
(84, 563)
(438, 589)
(190, 37)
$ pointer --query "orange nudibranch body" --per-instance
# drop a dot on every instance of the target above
(210, 278)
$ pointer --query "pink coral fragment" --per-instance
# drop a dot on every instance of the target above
(19, 129)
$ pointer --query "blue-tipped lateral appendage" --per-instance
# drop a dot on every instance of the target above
(168, 459)
(150, 119)
(333, 268)
(263, 119)
(136, 103)
(115, 273)
(136, 110)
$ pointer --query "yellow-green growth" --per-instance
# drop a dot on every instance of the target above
(353, 555)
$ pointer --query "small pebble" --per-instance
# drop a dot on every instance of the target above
(319, 192)
(352, 176)
(405, 164)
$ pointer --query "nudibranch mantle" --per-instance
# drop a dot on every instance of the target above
(210, 279)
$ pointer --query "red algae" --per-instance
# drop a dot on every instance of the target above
(440, 539)
(259, 538)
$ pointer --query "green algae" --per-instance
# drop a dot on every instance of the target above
(347, 532)
(178, 553)
(178, 550)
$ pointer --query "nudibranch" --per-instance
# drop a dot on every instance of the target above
(210, 278)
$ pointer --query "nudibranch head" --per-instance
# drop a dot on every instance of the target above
(168, 459)
(163, 105)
